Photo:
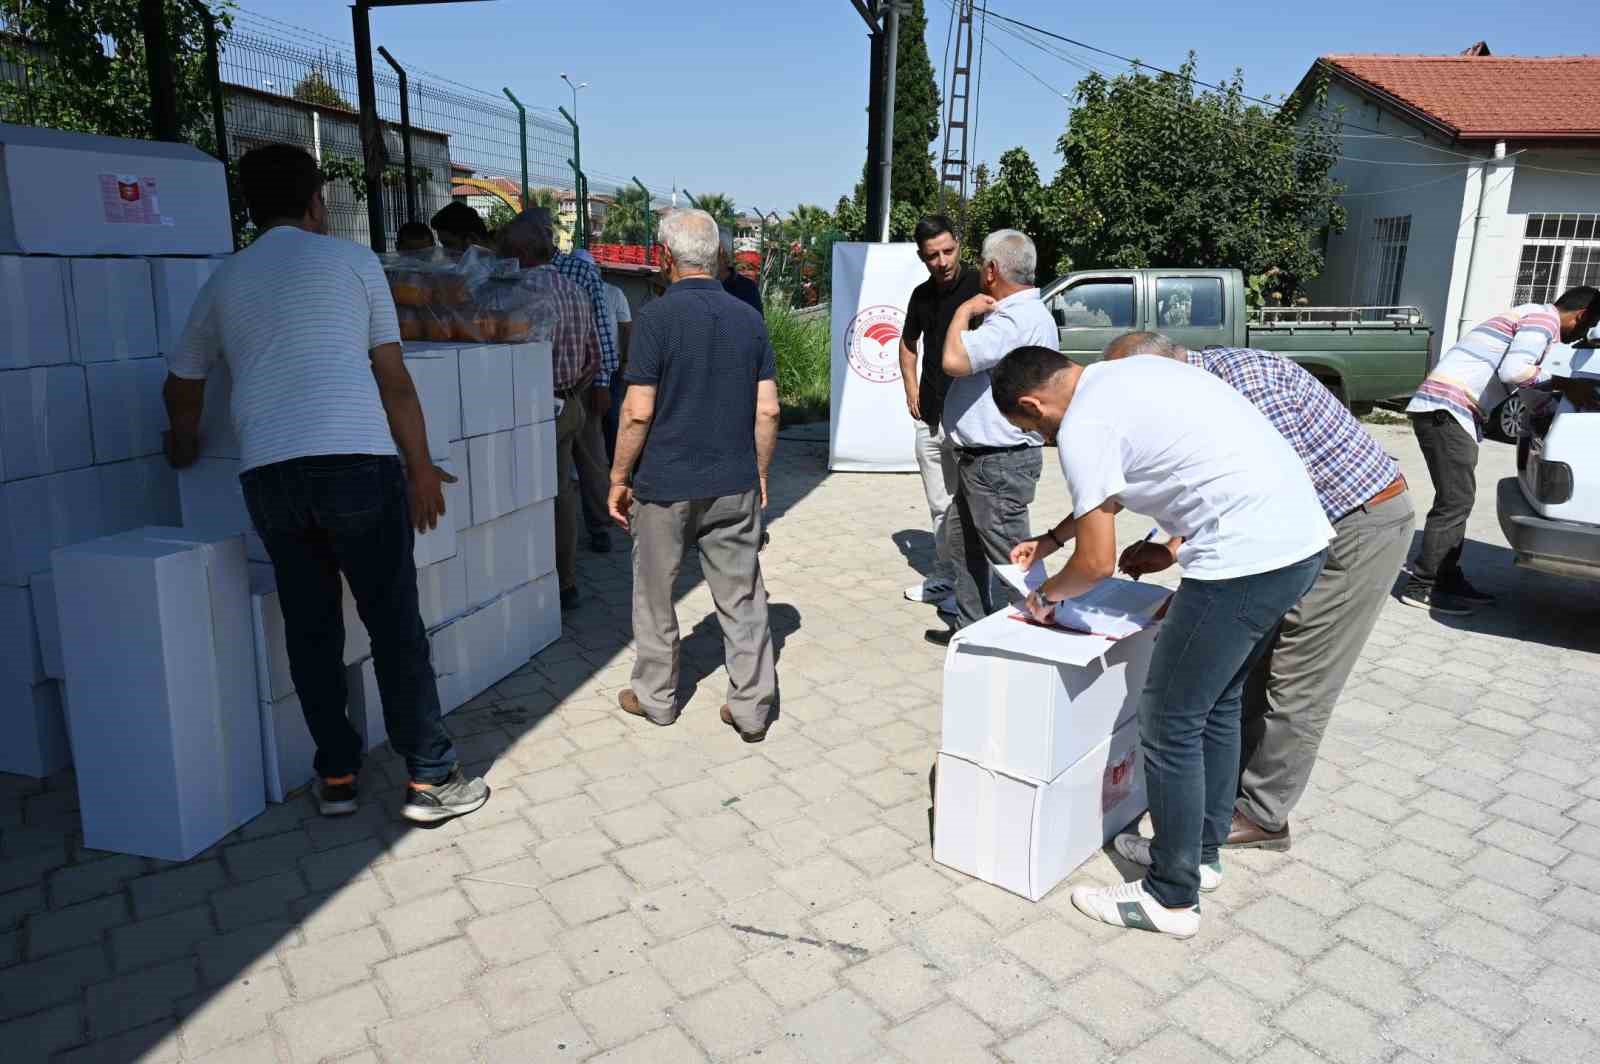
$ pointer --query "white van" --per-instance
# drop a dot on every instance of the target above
(1550, 511)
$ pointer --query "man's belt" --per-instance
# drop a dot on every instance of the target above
(566, 395)
(983, 452)
(1396, 488)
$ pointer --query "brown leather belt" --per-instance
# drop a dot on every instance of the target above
(1396, 488)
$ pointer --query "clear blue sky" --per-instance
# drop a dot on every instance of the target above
(766, 100)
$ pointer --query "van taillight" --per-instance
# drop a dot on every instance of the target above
(1554, 482)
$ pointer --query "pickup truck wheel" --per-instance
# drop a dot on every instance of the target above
(1505, 423)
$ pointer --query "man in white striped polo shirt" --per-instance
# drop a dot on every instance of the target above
(321, 396)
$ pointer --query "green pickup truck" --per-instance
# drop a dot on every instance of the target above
(1364, 355)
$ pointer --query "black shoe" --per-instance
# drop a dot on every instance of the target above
(456, 796)
(600, 542)
(569, 599)
(337, 797)
(939, 637)
(1459, 588)
(1424, 597)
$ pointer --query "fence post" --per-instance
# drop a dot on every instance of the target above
(405, 133)
(580, 238)
(219, 114)
(158, 68)
(649, 220)
(522, 133)
(372, 150)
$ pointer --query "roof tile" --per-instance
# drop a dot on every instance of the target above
(1489, 96)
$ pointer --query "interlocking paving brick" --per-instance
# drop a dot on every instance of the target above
(1545, 1038)
(1367, 980)
(1055, 1041)
(1435, 1031)
(1261, 970)
(557, 1038)
(92, 879)
(729, 1019)
(607, 947)
(256, 902)
(514, 934)
(426, 920)
(1171, 1045)
(699, 960)
(1286, 925)
(795, 973)
(589, 895)
(1567, 993)
(520, 992)
(32, 1039)
(325, 966)
(1223, 1017)
(1389, 936)
(622, 1008)
(445, 1033)
(236, 1012)
(138, 998)
(427, 977)
(1334, 1028)
(1111, 1005)
(1489, 944)
(76, 925)
(666, 1045)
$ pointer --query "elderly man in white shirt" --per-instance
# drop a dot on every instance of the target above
(997, 466)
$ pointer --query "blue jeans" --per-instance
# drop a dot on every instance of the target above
(322, 516)
(1189, 715)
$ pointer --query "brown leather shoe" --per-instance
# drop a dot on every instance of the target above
(630, 705)
(749, 737)
(1246, 834)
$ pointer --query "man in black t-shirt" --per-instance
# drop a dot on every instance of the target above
(933, 303)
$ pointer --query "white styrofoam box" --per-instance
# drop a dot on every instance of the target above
(126, 407)
(113, 310)
(44, 421)
(42, 513)
(21, 648)
(499, 557)
(46, 624)
(1030, 701)
(273, 681)
(366, 704)
(33, 312)
(33, 729)
(212, 498)
(177, 281)
(442, 591)
(1025, 835)
(543, 620)
(487, 396)
(155, 636)
(458, 496)
(438, 384)
(535, 463)
(139, 492)
(81, 194)
(217, 436)
(436, 544)
(532, 371)
(492, 471)
(540, 543)
(452, 667)
(288, 753)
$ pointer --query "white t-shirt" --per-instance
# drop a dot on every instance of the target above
(296, 316)
(620, 314)
(970, 417)
(1175, 443)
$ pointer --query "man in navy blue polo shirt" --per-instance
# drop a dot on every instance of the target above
(694, 441)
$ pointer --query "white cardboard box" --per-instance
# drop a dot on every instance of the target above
(126, 407)
(42, 513)
(452, 667)
(288, 752)
(211, 498)
(508, 552)
(458, 496)
(1030, 701)
(541, 543)
(438, 385)
(44, 421)
(33, 312)
(1025, 835)
(492, 470)
(535, 470)
(442, 591)
(33, 729)
(532, 371)
(79, 194)
(487, 395)
(177, 281)
(217, 436)
(46, 624)
(155, 635)
(22, 651)
(436, 544)
(544, 618)
(113, 310)
(273, 681)
(139, 492)
(366, 704)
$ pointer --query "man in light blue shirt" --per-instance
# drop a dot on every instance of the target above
(997, 466)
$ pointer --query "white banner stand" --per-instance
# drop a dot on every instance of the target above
(869, 428)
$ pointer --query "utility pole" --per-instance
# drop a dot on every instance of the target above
(883, 20)
(158, 67)
(953, 168)
(891, 51)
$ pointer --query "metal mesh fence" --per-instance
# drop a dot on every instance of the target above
(303, 91)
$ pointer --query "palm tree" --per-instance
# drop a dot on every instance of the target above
(628, 217)
(720, 206)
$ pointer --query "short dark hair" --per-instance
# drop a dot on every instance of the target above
(1584, 297)
(1022, 372)
(278, 182)
(414, 232)
(931, 226)
(458, 218)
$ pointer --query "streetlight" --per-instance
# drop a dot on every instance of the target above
(574, 86)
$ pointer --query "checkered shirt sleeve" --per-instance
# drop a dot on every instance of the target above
(587, 277)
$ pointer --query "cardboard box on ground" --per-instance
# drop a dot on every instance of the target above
(1039, 761)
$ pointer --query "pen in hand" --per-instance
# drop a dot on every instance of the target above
(1148, 536)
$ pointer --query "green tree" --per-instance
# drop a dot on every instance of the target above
(83, 68)
(1013, 199)
(1156, 173)
(317, 90)
(914, 187)
(628, 217)
(719, 206)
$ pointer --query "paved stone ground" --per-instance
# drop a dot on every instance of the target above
(656, 895)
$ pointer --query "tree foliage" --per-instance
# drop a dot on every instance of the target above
(83, 66)
(720, 206)
(316, 89)
(628, 218)
(914, 187)
(1013, 198)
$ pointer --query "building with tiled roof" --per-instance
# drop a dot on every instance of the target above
(1472, 181)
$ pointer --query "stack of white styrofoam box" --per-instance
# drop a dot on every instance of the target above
(1039, 760)
(33, 733)
(113, 310)
(166, 736)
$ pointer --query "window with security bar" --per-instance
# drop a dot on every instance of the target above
(1559, 251)
(1389, 239)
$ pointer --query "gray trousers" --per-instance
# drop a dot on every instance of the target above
(727, 530)
(1290, 695)
(1452, 456)
(594, 473)
(988, 517)
(936, 461)
(569, 423)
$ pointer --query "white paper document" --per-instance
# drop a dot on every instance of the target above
(1114, 608)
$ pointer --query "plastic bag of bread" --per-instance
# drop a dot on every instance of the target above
(410, 323)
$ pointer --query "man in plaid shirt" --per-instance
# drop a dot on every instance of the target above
(578, 360)
(1290, 696)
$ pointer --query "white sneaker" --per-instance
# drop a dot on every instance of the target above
(1129, 905)
(932, 589)
(1136, 848)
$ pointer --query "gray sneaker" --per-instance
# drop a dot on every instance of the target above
(456, 796)
(1434, 599)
